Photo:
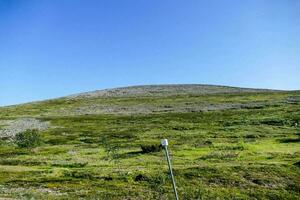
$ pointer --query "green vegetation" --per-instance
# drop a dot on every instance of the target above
(28, 139)
(236, 153)
(148, 148)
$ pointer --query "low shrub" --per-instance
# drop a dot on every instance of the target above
(151, 148)
(112, 150)
(252, 136)
(297, 164)
(141, 177)
(290, 140)
(28, 139)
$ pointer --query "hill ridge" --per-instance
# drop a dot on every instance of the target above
(167, 89)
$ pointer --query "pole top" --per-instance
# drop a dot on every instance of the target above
(164, 142)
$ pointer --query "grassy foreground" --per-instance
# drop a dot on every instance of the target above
(239, 153)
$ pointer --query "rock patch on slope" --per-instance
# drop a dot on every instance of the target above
(12, 127)
(165, 90)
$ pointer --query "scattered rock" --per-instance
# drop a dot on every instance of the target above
(12, 127)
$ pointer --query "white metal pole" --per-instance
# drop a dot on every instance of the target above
(164, 144)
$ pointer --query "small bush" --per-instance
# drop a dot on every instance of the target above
(141, 177)
(297, 164)
(112, 150)
(273, 122)
(151, 148)
(290, 140)
(252, 136)
(28, 139)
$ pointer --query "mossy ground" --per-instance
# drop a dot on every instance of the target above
(247, 153)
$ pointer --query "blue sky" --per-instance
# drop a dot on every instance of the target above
(52, 48)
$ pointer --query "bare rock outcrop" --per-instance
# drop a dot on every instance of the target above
(12, 127)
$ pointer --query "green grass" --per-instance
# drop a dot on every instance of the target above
(225, 154)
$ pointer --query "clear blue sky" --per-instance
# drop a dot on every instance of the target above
(52, 48)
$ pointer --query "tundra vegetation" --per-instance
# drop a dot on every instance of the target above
(224, 145)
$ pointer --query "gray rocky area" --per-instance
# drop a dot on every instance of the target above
(122, 101)
(165, 90)
(166, 108)
(11, 127)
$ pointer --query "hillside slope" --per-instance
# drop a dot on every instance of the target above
(148, 99)
(225, 143)
(166, 90)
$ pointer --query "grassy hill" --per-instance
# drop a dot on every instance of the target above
(225, 143)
